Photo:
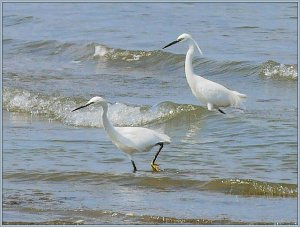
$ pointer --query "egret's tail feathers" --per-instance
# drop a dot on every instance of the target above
(164, 138)
(237, 98)
(239, 94)
(167, 139)
(160, 133)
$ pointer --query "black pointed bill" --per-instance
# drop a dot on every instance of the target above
(80, 107)
(172, 43)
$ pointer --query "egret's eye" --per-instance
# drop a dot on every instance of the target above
(180, 39)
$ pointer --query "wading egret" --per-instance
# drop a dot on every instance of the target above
(212, 94)
(130, 139)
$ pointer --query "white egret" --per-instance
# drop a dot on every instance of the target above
(212, 94)
(130, 139)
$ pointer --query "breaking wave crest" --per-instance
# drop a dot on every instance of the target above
(278, 71)
(58, 107)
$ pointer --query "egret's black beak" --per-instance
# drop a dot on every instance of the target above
(80, 107)
(172, 43)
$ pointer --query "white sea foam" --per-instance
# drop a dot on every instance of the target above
(59, 108)
(274, 70)
(101, 50)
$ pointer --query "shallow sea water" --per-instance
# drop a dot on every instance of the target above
(61, 168)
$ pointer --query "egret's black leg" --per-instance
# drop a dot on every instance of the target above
(161, 146)
(221, 111)
(134, 167)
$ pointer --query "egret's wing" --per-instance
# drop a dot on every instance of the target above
(213, 92)
(142, 138)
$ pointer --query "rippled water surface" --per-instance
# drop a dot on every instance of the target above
(59, 167)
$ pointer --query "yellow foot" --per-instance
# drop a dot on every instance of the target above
(155, 167)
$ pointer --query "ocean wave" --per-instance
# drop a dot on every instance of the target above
(249, 187)
(12, 20)
(138, 59)
(103, 51)
(83, 216)
(170, 61)
(48, 48)
(167, 60)
(59, 107)
(153, 59)
(109, 217)
(164, 181)
(117, 57)
(278, 71)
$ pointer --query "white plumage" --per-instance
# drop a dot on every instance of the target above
(130, 139)
(139, 139)
(212, 94)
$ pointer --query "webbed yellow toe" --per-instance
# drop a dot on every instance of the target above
(155, 167)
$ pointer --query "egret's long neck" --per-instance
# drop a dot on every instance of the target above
(189, 71)
(117, 138)
(109, 128)
(189, 60)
